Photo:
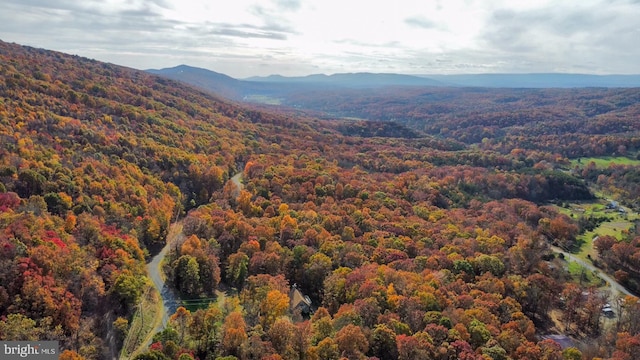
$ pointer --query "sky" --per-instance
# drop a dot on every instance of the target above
(243, 38)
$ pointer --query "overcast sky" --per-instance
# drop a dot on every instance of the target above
(242, 38)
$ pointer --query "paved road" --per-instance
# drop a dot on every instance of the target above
(617, 290)
(169, 298)
(155, 273)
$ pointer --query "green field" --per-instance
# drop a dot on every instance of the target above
(615, 227)
(612, 228)
(605, 161)
(583, 275)
(263, 99)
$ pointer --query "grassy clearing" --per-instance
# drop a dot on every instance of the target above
(583, 275)
(586, 249)
(605, 161)
(263, 99)
(615, 227)
(195, 306)
(584, 208)
(143, 324)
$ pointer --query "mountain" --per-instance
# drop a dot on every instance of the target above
(276, 86)
(352, 80)
(277, 89)
(218, 83)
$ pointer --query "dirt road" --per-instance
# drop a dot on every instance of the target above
(617, 290)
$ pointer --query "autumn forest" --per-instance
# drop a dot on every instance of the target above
(395, 223)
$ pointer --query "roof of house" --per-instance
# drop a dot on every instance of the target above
(296, 298)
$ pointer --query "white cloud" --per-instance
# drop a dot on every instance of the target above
(295, 37)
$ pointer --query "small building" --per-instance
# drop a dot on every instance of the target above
(608, 311)
(298, 302)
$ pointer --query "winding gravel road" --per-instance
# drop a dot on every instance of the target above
(617, 290)
(169, 298)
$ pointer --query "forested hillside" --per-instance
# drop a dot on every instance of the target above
(409, 246)
(95, 162)
(571, 122)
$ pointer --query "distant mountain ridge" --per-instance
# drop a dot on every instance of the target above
(278, 86)
(274, 88)
(353, 80)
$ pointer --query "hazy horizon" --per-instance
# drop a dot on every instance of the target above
(390, 73)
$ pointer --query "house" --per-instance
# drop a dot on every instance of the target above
(608, 311)
(298, 302)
